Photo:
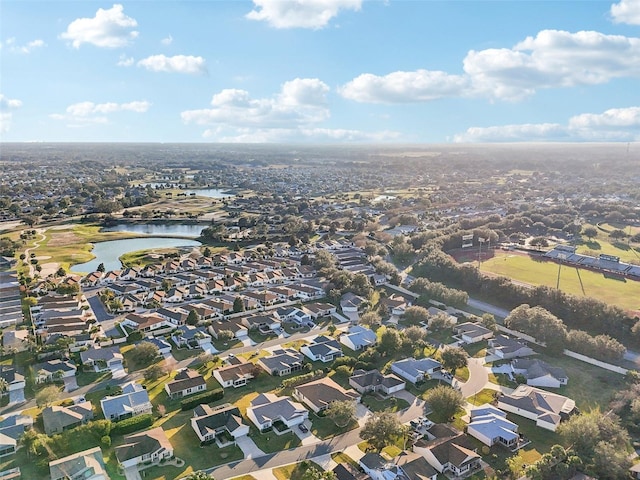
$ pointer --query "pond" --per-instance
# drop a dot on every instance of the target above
(210, 193)
(182, 229)
(109, 252)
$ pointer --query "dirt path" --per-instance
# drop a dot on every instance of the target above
(36, 244)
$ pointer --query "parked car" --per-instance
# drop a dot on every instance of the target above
(303, 428)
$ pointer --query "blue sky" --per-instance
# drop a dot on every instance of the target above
(319, 71)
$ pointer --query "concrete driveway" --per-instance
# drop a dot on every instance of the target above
(307, 438)
(132, 473)
(362, 413)
(249, 447)
(70, 384)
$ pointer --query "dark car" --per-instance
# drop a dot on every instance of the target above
(303, 428)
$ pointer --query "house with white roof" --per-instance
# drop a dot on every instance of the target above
(267, 409)
(133, 401)
(490, 425)
(547, 409)
(358, 338)
(415, 370)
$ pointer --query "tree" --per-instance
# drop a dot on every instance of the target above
(238, 305)
(585, 431)
(206, 252)
(144, 353)
(199, 475)
(225, 335)
(439, 321)
(61, 272)
(101, 268)
(369, 319)
(341, 412)
(489, 321)
(390, 342)
(590, 232)
(415, 315)
(617, 234)
(444, 401)
(415, 336)
(4, 386)
(192, 318)
(47, 396)
(312, 473)
(610, 462)
(32, 441)
(454, 358)
(382, 429)
(153, 373)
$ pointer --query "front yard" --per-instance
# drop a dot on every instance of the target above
(376, 403)
(324, 427)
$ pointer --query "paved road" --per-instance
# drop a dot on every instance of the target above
(478, 377)
(487, 307)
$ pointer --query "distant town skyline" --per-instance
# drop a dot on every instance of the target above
(320, 71)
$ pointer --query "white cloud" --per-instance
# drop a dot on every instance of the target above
(6, 116)
(626, 11)
(125, 61)
(294, 114)
(109, 28)
(167, 40)
(300, 101)
(85, 113)
(176, 64)
(551, 59)
(314, 14)
(616, 124)
(404, 87)
(11, 46)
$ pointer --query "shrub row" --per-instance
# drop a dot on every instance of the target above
(205, 397)
(133, 424)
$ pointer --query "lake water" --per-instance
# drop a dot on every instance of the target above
(109, 252)
(210, 193)
(182, 229)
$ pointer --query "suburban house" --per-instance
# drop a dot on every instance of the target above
(15, 340)
(470, 332)
(373, 381)
(237, 374)
(452, 453)
(268, 409)
(11, 429)
(85, 465)
(323, 349)
(8, 445)
(505, 348)
(396, 304)
(318, 394)
(320, 309)
(186, 382)
(15, 383)
(234, 326)
(415, 370)
(57, 418)
(294, 315)
(146, 323)
(53, 370)
(133, 401)
(264, 323)
(408, 466)
(103, 359)
(545, 408)
(358, 338)
(416, 467)
(351, 303)
(151, 445)
(191, 337)
(539, 373)
(164, 347)
(282, 362)
(222, 424)
(490, 425)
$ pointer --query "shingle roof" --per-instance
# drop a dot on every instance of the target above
(208, 420)
(269, 407)
(138, 444)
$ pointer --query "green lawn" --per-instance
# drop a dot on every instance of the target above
(442, 336)
(295, 471)
(603, 244)
(377, 404)
(477, 349)
(269, 442)
(462, 374)
(622, 292)
(485, 395)
(324, 427)
(344, 459)
(87, 378)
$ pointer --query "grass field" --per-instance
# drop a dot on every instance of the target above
(622, 292)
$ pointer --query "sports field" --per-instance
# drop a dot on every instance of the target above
(530, 270)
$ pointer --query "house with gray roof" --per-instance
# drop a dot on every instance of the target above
(373, 381)
(351, 303)
(103, 359)
(547, 409)
(15, 383)
(222, 424)
(539, 373)
(148, 446)
(186, 382)
(470, 332)
(415, 370)
(235, 375)
(85, 465)
(358, 338)
(490, 425)
(11, 429)
(267, 409)
(133, 401)
(53, 370)
(318, 394)
(323, 349)
(57, 418)
(15, 340)
(282, 362)
(505, 348)
(453, 454)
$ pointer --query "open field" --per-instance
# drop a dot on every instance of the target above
(603, 244)
(523, 268)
